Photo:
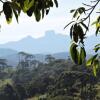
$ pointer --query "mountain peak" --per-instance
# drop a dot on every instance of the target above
(50, 33)
(52, 42)
(27, 38)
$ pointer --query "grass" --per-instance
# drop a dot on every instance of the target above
(33, 98)
(4, 82)
(37, 97)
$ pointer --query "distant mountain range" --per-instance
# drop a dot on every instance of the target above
(50, 43)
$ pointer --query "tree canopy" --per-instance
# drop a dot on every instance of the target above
(39, 8)
(80, 26)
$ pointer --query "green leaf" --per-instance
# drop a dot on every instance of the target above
(97, 49)
(75, 32)
(81, 34)
(94, 71)
(98, 45)
(30, 11)
(74, 53)
(50, 3)
(26, 2)
(7, 11)
(16, 7)
(16, 10)
(81, 10)
(97, 30)
(94, 23)
(75, 14)
(90, 61)
(20, 3)
(31, 4)
(37, 14)
(27, 5)
(82, 55)
(95, 66)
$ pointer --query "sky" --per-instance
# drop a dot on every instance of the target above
(55, 20)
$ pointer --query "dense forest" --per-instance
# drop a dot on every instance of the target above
(54, 79)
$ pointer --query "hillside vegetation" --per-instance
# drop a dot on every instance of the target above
(55, 79)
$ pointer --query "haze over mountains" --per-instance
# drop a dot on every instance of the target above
(50, 43)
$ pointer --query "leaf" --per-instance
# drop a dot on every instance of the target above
(16, 14)
(50, 3)
(16, 10)
(75, 14)
(84, 25)
(47, 11)
(7, 11)
(30, 11)
(95, 67)
(98, 45)
(81, 34)
(96, 49)
(94, 71)
(90, 61)
(56, 3)
(94, 22)
(82, 55)
(26, 2)
(71, 31)
(20, 3)
(71, 11)
(69, 24)
(43, 11)
(37, 14)
(27, 5)
(97, 30)
(81, 10)
(74, 53)
(31, 4)
(75, 32)
(16, 7)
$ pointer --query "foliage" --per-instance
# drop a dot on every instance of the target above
(39, 8)
(51, 81)
(80, 25)
(8, 93)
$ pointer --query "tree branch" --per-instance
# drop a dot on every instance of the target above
(1, 11)
(1, 1)
(82, 20)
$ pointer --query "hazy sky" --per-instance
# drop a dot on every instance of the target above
(56, 20)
